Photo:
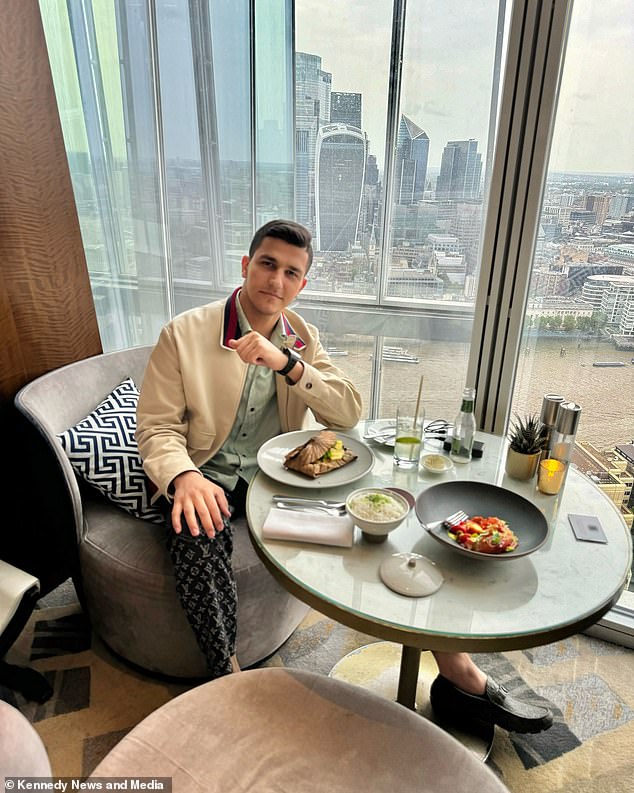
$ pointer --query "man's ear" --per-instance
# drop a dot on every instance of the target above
(304, 282)
(245, 262)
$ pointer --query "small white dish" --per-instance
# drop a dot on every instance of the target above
(436, 463)
(376, 530)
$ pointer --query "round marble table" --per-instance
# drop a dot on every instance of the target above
(483, 605)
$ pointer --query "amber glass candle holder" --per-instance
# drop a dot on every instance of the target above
(550, 476)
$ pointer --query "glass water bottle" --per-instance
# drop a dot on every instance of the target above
(464, 428)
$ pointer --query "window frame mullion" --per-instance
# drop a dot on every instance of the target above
(537, 41)
(391, 131)
(202, 57)
(399, 9)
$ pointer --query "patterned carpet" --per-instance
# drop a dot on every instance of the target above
(98, 699)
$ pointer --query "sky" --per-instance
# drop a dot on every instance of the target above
(447, 73)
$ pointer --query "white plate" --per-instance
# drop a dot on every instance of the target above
(272, 453)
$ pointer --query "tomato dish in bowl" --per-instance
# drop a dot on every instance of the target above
(486, 535)
(510, 526)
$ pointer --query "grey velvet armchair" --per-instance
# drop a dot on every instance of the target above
(125, 571)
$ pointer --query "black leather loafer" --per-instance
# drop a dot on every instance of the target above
(495, 706)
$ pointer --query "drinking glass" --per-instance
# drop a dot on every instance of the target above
(409, 435)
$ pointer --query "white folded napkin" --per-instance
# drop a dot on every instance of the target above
(286, 524)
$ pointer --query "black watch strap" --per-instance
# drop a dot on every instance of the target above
(293, 358)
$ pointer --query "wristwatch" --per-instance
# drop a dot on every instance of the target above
(293, 358)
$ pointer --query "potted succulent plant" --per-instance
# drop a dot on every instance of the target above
(527, 439)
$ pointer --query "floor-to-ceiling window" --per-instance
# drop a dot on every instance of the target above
(156, 109)
(578, 333)
(386, 128)
(395, 110)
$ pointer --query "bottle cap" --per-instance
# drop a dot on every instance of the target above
(550, 409)
(568, 418)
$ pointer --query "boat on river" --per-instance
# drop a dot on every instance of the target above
(609, 363)
(398, 355)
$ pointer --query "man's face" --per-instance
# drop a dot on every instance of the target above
(273, 276)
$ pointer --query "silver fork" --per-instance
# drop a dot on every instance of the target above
(335, 511)
(381, 436)
(309, 502)
(451, 521)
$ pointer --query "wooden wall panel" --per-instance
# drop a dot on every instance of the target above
(48, 315)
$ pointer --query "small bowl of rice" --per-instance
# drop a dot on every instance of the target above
(377, 511)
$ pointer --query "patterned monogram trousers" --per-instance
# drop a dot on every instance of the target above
(206, 587)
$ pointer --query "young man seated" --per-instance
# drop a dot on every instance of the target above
(223, 379)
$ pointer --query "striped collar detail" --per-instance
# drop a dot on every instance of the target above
(291, 338)
(231, 326)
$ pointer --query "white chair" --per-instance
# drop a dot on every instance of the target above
(19, 592)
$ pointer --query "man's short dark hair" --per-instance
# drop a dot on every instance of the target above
(288, 231)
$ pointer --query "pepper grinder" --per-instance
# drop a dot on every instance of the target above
(548, 417)
(562, 439)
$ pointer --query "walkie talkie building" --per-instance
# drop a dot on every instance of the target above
(339, 175)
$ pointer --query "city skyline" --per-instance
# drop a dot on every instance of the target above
(165, 224)
(592, 116)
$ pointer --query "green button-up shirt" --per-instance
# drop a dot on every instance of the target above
(257, 420)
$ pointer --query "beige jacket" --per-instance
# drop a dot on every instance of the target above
(193, 382)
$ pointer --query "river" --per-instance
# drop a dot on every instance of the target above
(606, 395)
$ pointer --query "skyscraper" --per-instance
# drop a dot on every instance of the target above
(466, 224)
(339, 176)
(369, 202)
(600, 204)
(412, 151)
(460, 170)
(345, 108)
(312, 111)
(372, 171)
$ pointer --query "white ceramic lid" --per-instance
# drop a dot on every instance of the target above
(410, 574)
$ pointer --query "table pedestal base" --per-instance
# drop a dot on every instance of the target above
(377, 667)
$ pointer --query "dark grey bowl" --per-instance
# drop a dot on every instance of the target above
(480, 498)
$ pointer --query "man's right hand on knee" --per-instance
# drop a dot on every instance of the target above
(198, 503)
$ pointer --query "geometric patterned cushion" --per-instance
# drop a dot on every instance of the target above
(103, 451)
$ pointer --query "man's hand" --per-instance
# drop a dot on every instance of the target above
(255, 348)
(198, 499)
